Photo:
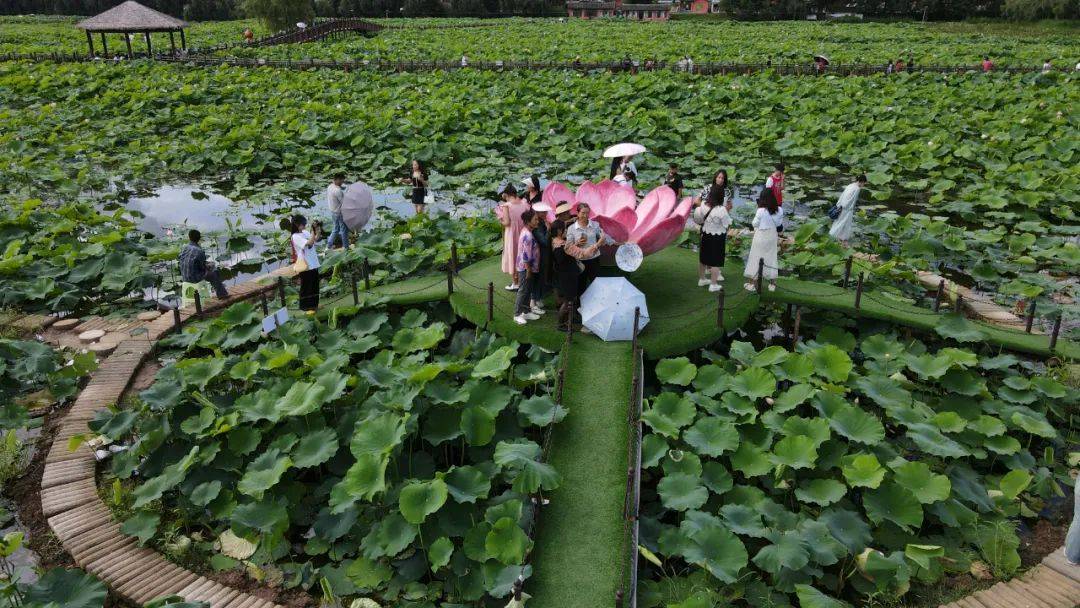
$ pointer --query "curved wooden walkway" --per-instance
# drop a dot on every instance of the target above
(1051, 584)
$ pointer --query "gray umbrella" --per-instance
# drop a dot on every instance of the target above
(357, 206)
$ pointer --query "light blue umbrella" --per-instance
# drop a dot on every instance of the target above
(607, 308)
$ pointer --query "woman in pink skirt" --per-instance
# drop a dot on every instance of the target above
(509, 213)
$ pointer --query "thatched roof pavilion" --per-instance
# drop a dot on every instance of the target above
(132, 18)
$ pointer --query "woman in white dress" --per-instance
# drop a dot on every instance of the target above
(843, 224)
(769, 216)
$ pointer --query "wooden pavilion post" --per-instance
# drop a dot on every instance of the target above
(149, 49)
(127, 39)
(183, 43)
(90, 42)
(104, 45)
(172, 42)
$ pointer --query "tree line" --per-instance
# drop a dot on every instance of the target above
(282, 13)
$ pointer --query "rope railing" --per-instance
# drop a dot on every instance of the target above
(626, 594)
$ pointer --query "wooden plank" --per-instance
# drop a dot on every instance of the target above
(1021, 598)
(1056, 561)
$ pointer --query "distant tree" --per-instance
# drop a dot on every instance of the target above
(1029, 10)
(422, 8)
(326, 8)
(468, 8)
(278, 14)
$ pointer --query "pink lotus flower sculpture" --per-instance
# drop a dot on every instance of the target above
(652, 224)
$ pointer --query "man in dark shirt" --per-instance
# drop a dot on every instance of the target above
(194, 267)
(673, 180)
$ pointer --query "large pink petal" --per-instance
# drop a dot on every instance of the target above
(646, 211)
(683, 210)
(589, 194)
(621, 197)
(663, 199)
(661, 235)
(556, 193)
(613, 227)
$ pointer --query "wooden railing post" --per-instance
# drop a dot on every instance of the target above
(198, 302)
(858, 292)
(1030, 316)
(265, 305)
(720, 308)
(795, 329)
(281, 290)
(1055, 332)
(847, 271)
(453, 257)
(959, 307)
(176, 316)
(490, 303)
(760, 273)
(355, 288)
(939, 295)
(367, 275)
(449, 281)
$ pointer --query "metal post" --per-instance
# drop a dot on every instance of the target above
(720, 308)
(265, 305)
(176, 316)
(858, 292)
(795, 329)
(847, 271)
(449, 281)
(490, 303)
(760, 273)
(637, 321)
(281, 290)
(1054, 334)
(1030, 316)
(198, 302)
(940, 294)
(355, 289)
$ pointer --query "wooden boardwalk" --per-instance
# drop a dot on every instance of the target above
(69, 496)
(1051, 584)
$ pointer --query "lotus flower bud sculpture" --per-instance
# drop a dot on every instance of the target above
(652, 224)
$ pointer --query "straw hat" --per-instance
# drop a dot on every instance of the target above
(563, 207)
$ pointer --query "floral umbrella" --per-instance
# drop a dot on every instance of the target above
(652, 224)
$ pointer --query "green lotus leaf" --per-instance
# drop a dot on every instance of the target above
(368, 574)
(949, 422)
(478, 425)
(716, 477)
(170, 477)
(917, 478)
(162, 395)
(770, 356)
(439, 552)
(331, 526)
(797, 368)
(743, 519)
(796, 451)
(1049, 387)
(364, 479)
(816, 429)
(195, 425)
(931, 440)
(240, 313)
(263, 473)
(63, 588)
(786, 551)
(711, 436)
(848, 527)
(541, 410)
(507, 542)
(751, 460)
(367, 323)
(1002, 444)
(822, 492)
(114, 425)
(884, 391)
(668, 413)
(315, 448)
(739, 405)
(959, 357)
(303, 398)
(1013, 395)
(495, 364)
(197, 373)
(1014, 482)
(204, 493)
(862, 470)
(681, 492)
(241, 335)
(956, 327)
(754, 383)
(269, 516)
(418, 500)
(499, 580)
(831, 363)
(928, 366)
(678, 371)
(680, 461)
(412, 339)
(522, 458)
(377, 434)
(467, 484)
(490, 396)
(999, 362)
(719, 551)
(244, 370)
(988, 426)
(879, 346)
(743, 352)
(711, 380)
(922, 554)
(962, 382)
(809, 597)
(142, 525)
(793, 397)
(892, 502)
(857, 425)
(653, 449)
(388, 537)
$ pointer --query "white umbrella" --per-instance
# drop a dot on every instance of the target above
(628, 257)
(623, 149)
(357, 205)
(607, 308)
(823, 58)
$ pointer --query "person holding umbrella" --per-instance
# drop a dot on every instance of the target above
(622, 165)
(509, 213)
(335, 196)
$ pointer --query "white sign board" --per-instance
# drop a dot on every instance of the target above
(279, 318)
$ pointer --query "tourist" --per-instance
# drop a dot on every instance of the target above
(819, 65)
(891, 67)
(775, 182)
(527, 266)
(533, 193)
(306, 261)
(509, 213)
(1072, 538)
(418, 179)
(585, 233)
(987, 65)
(623, 170)
(842, 225)
(194, 268)
(1047, 67)
(712, 215)
(540, 235)
(335, 196)
(566, 270)
(577, 62)
(562, 212)
(673, 180)
(900, 66)
(464, 60)
(249, 36)
(911, 62)
(627, 63)
(768, 219)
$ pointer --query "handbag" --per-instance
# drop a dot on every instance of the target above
(300, 265)
(429, 198)
(834, 212)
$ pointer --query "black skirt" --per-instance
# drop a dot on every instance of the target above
(712, 250)
(418, 195)
(565, 274)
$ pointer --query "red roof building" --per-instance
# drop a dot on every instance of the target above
(591, 9)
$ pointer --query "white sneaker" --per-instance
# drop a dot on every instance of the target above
(702, 282)
(772, 286)
(720, 277)
(520, 320)
(749, 287)
(536, 310)
(715, 288)
(585, 330)
(511, 287)
(531, 316)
